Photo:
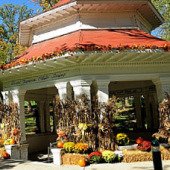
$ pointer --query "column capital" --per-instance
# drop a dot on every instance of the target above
(103, 90)
(82, 83)
(5, 95)
(61, 85)
(102, 83)
(81, 87)
(162, 86)
(18, 92)
(161, 80)
(17, 95)
(62, 89)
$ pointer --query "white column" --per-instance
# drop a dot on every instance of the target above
(62, 89)
(103, 91)
(18, 97)
(162, 87)
(5, 95)
(81, 87)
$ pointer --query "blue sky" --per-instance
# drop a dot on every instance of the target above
(21, 2)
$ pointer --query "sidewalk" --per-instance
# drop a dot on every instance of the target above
(19, 165)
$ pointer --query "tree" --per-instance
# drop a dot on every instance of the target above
(163, 7)
(10, 17)
(46, 4)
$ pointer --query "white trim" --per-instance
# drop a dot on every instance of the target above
(46, 14)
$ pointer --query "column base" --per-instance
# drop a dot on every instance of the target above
(18, 152)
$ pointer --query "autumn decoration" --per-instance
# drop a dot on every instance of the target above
(139, 140)
(10, 125)
(82, 162)
(95, 157)
(163, 135)
(9, 128)
(145, 146)
(60, 144)
(69, 147)
(122, 139)
(109, 156)
(81, 148)
(5, 155)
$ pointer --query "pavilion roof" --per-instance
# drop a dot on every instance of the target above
(90, 40)
(61, 2)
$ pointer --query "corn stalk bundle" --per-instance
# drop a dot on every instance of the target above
(81, 123)
(10, 121)
(164, 111)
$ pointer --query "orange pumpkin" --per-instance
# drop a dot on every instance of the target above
(5, 155)
(60, 144)
(82, 162)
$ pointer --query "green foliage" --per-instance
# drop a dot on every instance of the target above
(46, 4)
(10, 17)
(163, 6)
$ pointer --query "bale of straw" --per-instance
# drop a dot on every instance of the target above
(72, 159)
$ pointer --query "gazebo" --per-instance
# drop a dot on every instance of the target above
(93, 47)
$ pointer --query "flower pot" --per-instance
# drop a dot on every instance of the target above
(56, 156)
(128, 147)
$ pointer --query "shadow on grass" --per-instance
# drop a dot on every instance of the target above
(8, 164)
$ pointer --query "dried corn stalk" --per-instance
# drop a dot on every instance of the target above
(10, 121)
(164, 111)
(80, 123)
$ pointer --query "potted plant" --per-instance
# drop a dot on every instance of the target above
(108, 156)
(123, 142)
(95, 157)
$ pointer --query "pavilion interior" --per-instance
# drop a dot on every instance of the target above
(138, 107)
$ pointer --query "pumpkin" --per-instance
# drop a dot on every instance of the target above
(60, 144)
(82, 162)
(5, 155)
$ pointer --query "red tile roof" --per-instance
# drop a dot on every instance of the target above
(90, 40)
(61, 3)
